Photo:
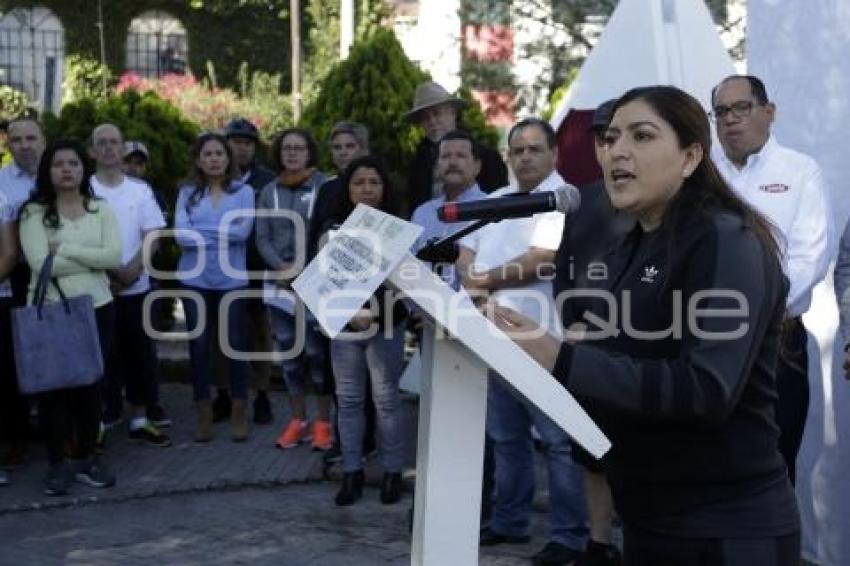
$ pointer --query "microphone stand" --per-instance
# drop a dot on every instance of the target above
(445, 250)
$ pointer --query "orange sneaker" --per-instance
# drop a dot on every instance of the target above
(294, 433)
(322, 438)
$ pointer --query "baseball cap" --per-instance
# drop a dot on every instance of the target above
(602, 115)
(240, 127)
(131, 147)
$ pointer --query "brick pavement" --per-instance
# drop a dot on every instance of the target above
(147, 471)
(295, 525)
(215, 503)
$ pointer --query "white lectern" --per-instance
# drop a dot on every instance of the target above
(460, 345)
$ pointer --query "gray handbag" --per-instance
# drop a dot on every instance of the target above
(56, 343)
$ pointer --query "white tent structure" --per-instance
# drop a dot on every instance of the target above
(800, 51)
(645, 42)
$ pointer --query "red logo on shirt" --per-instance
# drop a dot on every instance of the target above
(774, 188)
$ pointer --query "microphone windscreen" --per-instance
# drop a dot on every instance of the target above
(567, 199)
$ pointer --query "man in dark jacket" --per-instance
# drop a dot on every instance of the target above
(439, 113)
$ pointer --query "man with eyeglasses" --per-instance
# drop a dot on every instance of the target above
(788, 187)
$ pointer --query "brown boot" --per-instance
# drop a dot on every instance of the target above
(239, 420)
(205, 419)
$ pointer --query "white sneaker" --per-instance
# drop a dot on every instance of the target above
(4, 478)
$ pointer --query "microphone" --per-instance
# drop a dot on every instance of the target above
(565, 198)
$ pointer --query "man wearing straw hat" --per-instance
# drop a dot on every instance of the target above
(439, 113)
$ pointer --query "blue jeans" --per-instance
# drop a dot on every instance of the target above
(509, 422)
(199, 348)
(379, 358)
(315, 354)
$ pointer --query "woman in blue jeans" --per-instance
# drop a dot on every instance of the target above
(214, 217)
(372, 349)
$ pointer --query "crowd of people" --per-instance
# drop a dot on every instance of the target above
(705, 428)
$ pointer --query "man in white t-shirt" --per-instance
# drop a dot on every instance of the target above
(788, 188)
(512, 260)
(132, 356)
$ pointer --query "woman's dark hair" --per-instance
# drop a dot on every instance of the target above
(388, 198)
(705, 188)
(44, 192)
(312, 148)
(199, 180)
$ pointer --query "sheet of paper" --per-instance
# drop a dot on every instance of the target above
(352, 265)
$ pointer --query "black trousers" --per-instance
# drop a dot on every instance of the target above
(641, 548)
(131, 363)
(792, 386)
(14, 408)
(76, 412)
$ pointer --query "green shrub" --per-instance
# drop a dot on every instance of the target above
(474, 121)
(261, 100)
(145, 117)
(13, 103)
(85, 78)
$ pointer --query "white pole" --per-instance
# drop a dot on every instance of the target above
(346, 27)
(295, 39)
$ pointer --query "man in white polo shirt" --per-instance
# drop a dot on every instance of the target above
(788, 187)
(138, 214)
(510, 260)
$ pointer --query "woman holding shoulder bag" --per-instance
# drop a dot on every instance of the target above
(64, 222)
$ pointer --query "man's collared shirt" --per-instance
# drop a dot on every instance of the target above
(788, 187)
(425, 215)
(16, 184)
(496, 244)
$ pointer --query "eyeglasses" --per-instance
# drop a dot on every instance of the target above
(740, 109)
(294, 148)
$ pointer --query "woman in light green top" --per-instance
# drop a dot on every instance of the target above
(64, 218)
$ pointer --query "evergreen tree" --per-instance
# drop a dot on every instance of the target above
(375, 86)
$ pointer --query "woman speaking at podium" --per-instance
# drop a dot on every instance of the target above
(679, 372)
